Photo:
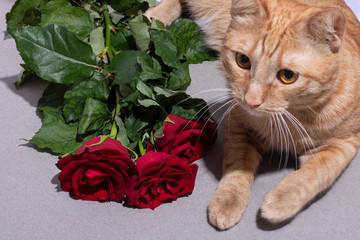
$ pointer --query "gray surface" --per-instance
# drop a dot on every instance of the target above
(32, 207)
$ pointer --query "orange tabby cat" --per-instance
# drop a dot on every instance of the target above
(294, 70)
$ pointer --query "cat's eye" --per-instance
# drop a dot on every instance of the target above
(243, 61)
(287, 76)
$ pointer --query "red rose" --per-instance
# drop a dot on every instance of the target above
(186, 138)
(97, 171)
(162, 178)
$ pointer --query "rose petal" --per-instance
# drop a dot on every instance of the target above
(172, 178)
(97, 171)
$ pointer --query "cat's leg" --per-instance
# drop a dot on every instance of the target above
(241, 160)
(166, 11)
(318, 171)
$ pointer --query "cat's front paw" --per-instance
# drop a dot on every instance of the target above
(280, 205)
(225, 210)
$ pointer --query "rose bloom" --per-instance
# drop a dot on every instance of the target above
(162, 178)
(98, 172)
(186, 138)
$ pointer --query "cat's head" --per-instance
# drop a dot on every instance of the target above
(281, 55)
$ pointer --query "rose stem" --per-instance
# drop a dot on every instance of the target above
(141, 148)
(114, 130)
(108, 29)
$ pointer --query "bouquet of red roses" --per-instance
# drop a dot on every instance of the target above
(116, 108)
(102, 169)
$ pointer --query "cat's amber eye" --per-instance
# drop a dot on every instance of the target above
(287, 76)
(243, 61)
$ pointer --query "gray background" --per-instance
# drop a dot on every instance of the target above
(33, 207)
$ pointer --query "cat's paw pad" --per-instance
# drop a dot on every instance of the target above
(224, 211)
(279, 206)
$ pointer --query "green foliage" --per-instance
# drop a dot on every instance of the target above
(150, 68)
(94, 116)
(55, 53)
(122, 5)
(58, 136)
(76, 96)
(62, 13)
(180, 77)
(181, 40)
(139, 29)
(125, 66)
(107, 70)
(24, 12)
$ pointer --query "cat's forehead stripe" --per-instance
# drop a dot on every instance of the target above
(276, 31)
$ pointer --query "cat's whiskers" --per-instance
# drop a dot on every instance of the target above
(225, 95)
(312, 109)
(227, 91)
(292, 140)
(271, 119)
(280, 138)
(308, 144)
(231, 103)
(301, 130)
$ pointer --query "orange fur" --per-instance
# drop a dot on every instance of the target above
(319, 40)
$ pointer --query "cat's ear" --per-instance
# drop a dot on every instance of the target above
(245, 8)
(327, 27)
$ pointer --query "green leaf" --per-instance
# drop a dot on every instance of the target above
(165, 46)
(58, 136)
(163, 91)
(148, 102)
(97, 41)
(140, 31)
(122, 133)
(125, 66)
(32, 17)
(75, 19)
(182, 39)
(184, 113)
(94, 116)
(152, 113)
(152, 2)
(116, 17)
(51, 102)
(180, 77)
(150, 68)
(106, 129)
(130, 100)
(53, 5)
(122, 5)
(75, 98)
(159, 133)
(133, 127)
(53, 96)
(195, 50)
(92, 13)
(50, 114)
(144, 89)
(118, 40)
(55, 53)
(24, 12)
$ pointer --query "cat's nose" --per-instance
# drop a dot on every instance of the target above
(253, 105)
(253, 102)
(254, 95)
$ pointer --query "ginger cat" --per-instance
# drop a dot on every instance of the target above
(293, 67)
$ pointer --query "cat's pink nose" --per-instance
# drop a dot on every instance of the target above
(254, 96)
(253, 103)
